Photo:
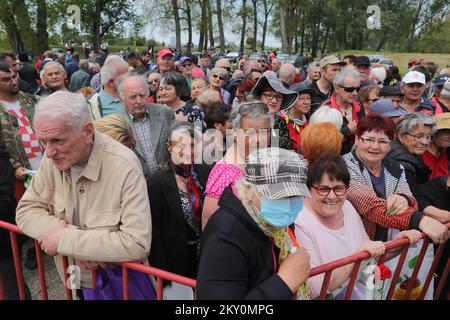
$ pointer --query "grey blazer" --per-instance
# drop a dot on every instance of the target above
(161, 117)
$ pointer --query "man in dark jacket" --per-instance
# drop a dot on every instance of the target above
(7, 214)
(347, 85)
(240, 258)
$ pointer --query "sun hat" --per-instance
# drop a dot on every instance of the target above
(289, 96)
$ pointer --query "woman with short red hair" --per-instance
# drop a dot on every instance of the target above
(380, 192)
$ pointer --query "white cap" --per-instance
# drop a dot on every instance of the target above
(414, 77)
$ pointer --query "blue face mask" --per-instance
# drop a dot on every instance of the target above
(282, 212)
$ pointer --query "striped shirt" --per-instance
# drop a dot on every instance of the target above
(143, 130)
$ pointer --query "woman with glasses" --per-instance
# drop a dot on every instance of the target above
(253, 125)
(270, 90)
(329, 228)
(153, 79)
(218, 77)
(344, 99)
(414, 135)
(379, 190)
(368, 95)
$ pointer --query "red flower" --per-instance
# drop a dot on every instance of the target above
(385, 272)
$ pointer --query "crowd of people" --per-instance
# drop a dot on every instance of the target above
(243, 179)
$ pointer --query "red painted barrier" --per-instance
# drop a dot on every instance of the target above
(328, 268)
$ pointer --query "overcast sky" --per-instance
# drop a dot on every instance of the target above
(166, 35)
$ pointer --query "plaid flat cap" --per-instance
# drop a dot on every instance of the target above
(277, 173)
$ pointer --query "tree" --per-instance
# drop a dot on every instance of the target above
(188, 19)
(210, 24)
(41, 25)
(7, 18)
(426, 12)
(255, 24)
(102, 18)
(244, 24)
(203, 26)
(284, 40)
(220, 25)
(267, 10)
(176, 18)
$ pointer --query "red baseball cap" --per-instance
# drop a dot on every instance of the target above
(165, 52)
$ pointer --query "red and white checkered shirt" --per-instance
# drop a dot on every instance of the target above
(29, 140)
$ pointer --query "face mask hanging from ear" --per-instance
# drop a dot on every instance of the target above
(281, 213)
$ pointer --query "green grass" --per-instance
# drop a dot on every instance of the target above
(401, 59)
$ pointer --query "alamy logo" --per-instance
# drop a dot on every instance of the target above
(374, 20)
(74, 17)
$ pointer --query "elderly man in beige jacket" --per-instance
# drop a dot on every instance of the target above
(88, 200)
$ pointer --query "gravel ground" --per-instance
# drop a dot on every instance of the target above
(55, 288)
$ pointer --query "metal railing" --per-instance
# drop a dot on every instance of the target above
(161, 275)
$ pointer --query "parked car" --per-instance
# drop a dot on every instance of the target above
(57, 51)
(259, 55)
(295, 59)
(233, 57)
(386, 62)
(375, 58)
(283, 57)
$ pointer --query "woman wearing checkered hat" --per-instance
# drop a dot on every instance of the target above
(248, 250)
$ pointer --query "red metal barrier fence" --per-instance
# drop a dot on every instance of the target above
(328, 268)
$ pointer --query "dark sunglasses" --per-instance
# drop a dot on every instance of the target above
(215, 76)
(350, 89)
(246, 108)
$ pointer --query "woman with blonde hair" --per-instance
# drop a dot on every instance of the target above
(116, 127)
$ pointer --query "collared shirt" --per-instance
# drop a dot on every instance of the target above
(109, 103)
(143, 130)
(114, 213)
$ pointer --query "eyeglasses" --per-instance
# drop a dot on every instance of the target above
(421, 136)
(153, 81)
(270, 96)
(350, 89)
(215, 76)
(245, 109)
(324, 190)
(371, 141)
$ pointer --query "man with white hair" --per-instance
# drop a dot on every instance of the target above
(80, 78)
(276, 64)
(347, 84)
(287, 74)
(223, 63)
(86, 201)
(107, 101)
(53, 77)
(150, 121)
(313, 73)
